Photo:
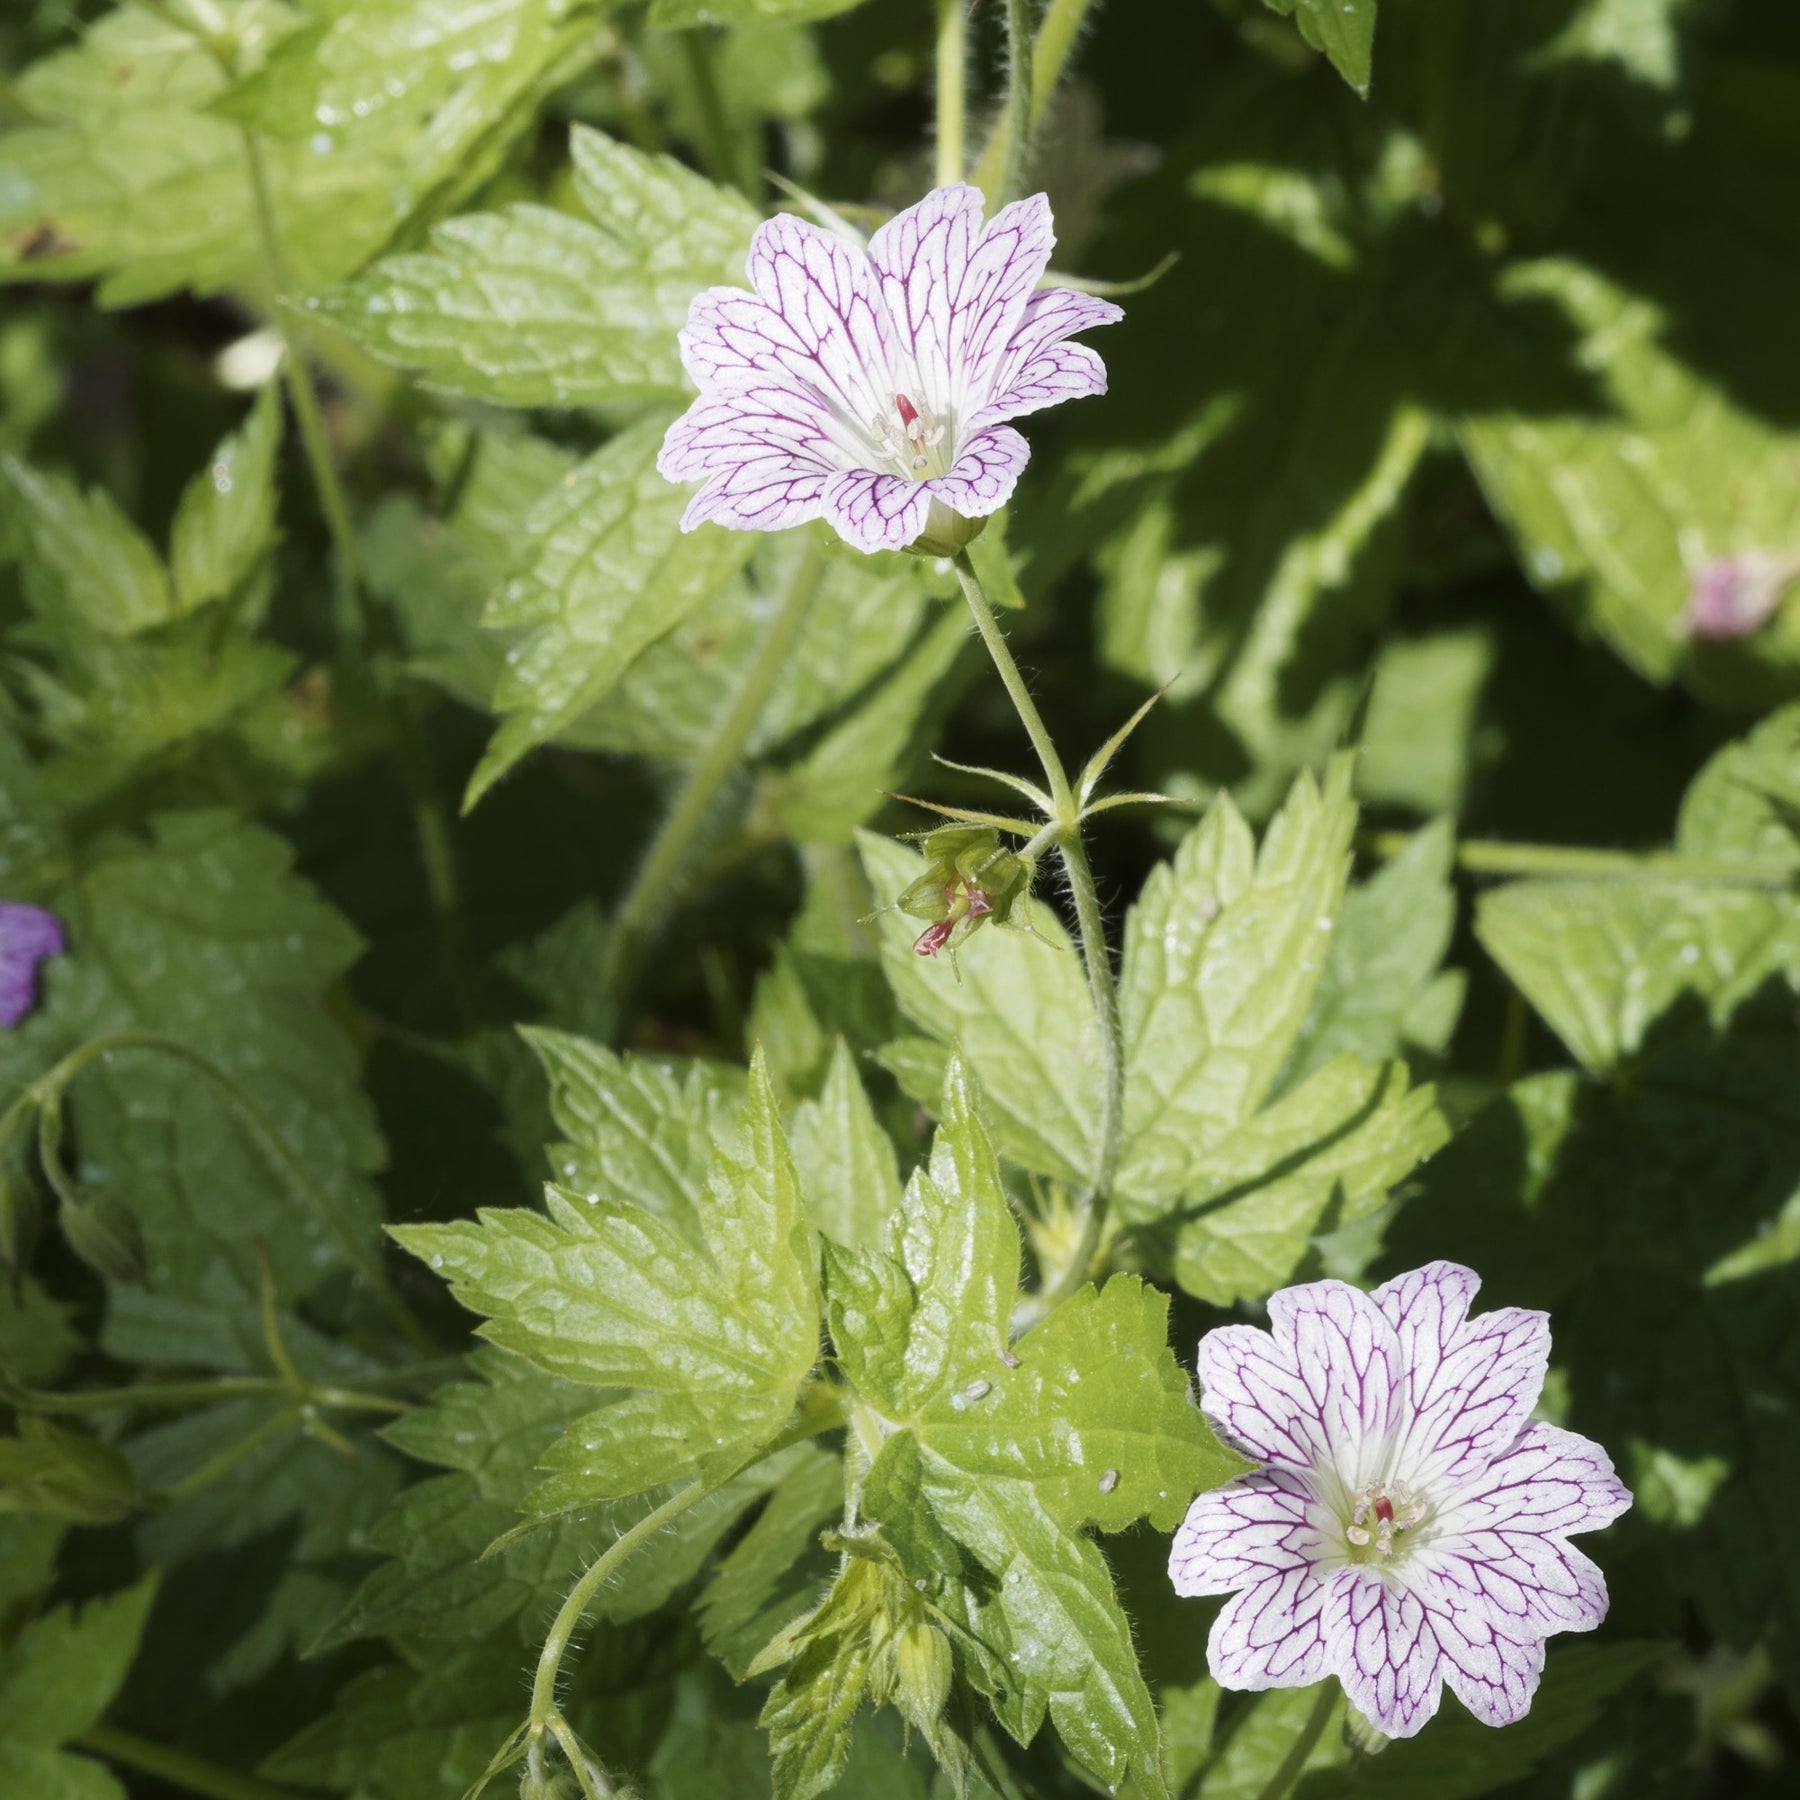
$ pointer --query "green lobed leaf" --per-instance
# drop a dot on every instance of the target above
(1322, 1158)
(605, 572)
(716, 1330)
(996, 1460)
(847, 1167)
(1603, 961)
(1383, 986)
(1018, 1008)
(639, 1130)
(55, 1473)
(1224, 951)
(534, 307)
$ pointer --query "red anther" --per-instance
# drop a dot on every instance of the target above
(909, 414)
(1384, 1509)
(933, 938)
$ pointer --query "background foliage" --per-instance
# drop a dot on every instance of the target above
(1472, 929)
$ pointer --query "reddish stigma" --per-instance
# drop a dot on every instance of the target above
(909, 414)
(1384, 1509)
(934, 937)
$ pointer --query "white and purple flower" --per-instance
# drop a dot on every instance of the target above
(1410, 1523)
(28, 935)
(872, 388)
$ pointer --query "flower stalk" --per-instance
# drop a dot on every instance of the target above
(1293, 1765)
(1064, 830)
(952, 90)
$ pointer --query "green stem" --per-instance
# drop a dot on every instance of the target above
(1302, 1747)
(556, 1643)
(1096, 953)
(228, 1459)
(1560, 862)
(952, 90)
(196, 1393)
(368, 1265)
(431, 820)
(176, 1766)
(640, 913)
(724, 161)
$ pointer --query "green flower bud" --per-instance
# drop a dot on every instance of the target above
(970, 878)
(923, 1669)
(105, 1235)
(946, 532)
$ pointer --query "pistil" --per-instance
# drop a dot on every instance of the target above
(1379, 1511)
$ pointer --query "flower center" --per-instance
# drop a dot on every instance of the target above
(908, 440)
(1379, 1512)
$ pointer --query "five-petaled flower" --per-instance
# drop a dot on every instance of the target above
(28, 934)
(1409, 1524)
(872, 388)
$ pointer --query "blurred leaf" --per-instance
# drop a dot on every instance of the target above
(1612, 513)
(135, 170)
(57, 1678)
(606, 571)
(61, 1474)
(716, 1330)
(226, 521)
(531, 307)
(85, 562)
(1343, 29)
(674, 14)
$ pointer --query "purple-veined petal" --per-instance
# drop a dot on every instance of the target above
(1383, 1649)
(1548, 1481)
(1529, 1586)
(1255, 1399)
(1243, 1533)
(1039, 368)
(759, 494)
(1471, 1381)
(1272, 1635)
(984, 474)
(748, 420)
(1349, 1362)
(876, 512)
(1492, 1672)
(28, 934)
(955, 290)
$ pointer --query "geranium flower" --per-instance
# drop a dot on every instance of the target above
(1409, 1525)
(872, 388)
(28, 934)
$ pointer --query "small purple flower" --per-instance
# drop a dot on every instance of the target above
(872, 388)
(28, 934)
(1410, 1523)
(1733, 596)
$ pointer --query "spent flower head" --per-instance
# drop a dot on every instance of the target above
(971, 879)
(1410, 1523)
(28, 935)
(1735, 596)
(872, 387)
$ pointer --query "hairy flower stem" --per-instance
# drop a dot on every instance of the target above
(1324, 1705)
(581, 1595)
(1566, 863)
(191, 1774)
(1049, 58)
(431, 822)
(48, 1089)
(646, 902)
(952, 91)
(1096, 954)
